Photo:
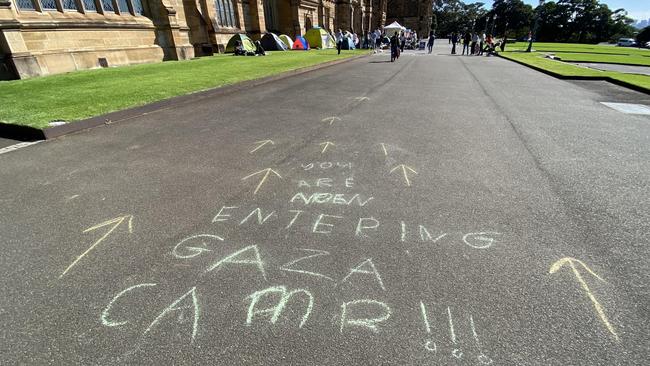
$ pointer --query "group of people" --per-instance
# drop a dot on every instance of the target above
(376, 39)
(474, 44)
(241, 51)
(346, 36)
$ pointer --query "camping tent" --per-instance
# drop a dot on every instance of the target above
(286, 40)
(393, 27)
(300, 44)
(271, 42)
(319, 38)
(246, 42)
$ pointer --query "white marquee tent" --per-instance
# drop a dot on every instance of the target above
(394, 26)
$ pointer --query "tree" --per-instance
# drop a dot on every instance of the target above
(553, 18)
(643, 36)
(457, 16)
(591, 22)
(434, 23)
(621, 26)
(512, 17)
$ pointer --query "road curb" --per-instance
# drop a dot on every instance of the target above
(581, 77)
(26, 133)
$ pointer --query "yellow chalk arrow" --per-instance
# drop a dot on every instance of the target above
(330, 119)
(361, 99)
(261, 144)
(599, 309)
(383, 146)
(267, 171)
(404, 169)
(326, 143)
(115, 222)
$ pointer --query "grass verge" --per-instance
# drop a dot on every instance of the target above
(84, 94)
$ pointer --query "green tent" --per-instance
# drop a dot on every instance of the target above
(246, 42)
(319, 38)
(286, 40)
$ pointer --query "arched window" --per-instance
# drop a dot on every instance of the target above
(226, 15)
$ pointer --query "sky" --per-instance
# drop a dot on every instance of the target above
(637, 9)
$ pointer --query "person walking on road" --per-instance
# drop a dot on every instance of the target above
(453, 39)
(379, 37)
(394, 47)
(467, 38)
(474, 44)
(402, 41)
(432, 39)
(339, 41)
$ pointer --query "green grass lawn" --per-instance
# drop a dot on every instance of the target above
(83, 94)
(579, 53)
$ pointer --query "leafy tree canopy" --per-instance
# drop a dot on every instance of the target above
(582, 21)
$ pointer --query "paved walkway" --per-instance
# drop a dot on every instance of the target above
(628, 69)
(437, 210)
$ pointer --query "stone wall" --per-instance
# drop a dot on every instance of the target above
(50, 42)
(36, 42)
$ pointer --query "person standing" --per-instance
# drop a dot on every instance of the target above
(394, 47)
(453, 39)
(402, 41)
(372, 37)
(339, 41)
(432, 39)
(481, 43)
(467, 38)
(378, 39)
(474, 44)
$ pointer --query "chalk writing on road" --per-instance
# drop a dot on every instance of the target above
(261, 144)
(571, 262)
(383, 147)
(297, 306)
(299, 288)
(115, 222)
(266, 172)
(330, 120)
(325, 145)
(405, 169)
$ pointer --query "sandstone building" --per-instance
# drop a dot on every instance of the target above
(41, 37)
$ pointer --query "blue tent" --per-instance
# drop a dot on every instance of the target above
(300, 44)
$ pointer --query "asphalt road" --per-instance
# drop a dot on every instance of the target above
(468, 211)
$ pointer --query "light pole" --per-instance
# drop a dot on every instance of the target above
(533, 33)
